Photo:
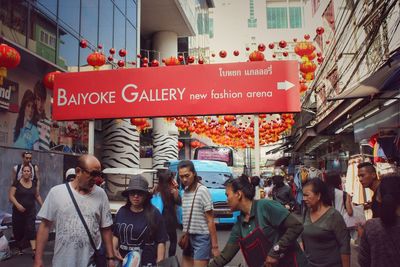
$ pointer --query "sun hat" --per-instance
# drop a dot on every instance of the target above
(137, 182)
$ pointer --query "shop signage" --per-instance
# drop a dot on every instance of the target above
(234, 88)
(7, 95)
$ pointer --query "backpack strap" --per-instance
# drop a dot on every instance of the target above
(344, 199)
(18, 169)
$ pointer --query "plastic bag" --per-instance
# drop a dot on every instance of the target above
(5, 251)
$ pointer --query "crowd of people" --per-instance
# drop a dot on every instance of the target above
(270, 230)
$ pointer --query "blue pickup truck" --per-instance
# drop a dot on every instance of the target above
(213, 174)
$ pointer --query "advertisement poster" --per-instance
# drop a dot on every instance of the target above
(26, 122)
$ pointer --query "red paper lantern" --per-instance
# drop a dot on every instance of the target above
(229, 118)
(285, 54)
(100, 46)
(222, 53)
(271, 46)
(121, 63)
(9, 58)
(303, 87)
(320, 30)
(48, 80)
(83, 43)
(180, 58)
(235, 53)
(307, 67)
(145, 60)
(261, 47)
(172, 61)
(247, 48)
(256, 56)
(112, 51)
(155, 63)
(190, 59)
(200, 61)
(96, 60)
(282, 44)
(110, 58)
(213, 55)
(180, 145)
(306, 36)
(138, 121)
(122, 52)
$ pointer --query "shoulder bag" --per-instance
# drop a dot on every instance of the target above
(99, 255)
(185, 238)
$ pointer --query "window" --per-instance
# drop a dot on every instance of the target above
(277, 18)
(295, 17)
(211, 23)
(200, 28)
(47, 39)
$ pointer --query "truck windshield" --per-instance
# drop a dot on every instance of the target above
(214, 180)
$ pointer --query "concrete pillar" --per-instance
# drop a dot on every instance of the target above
(165, 134)
(121, 147)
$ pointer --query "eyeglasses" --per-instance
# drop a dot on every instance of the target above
(94, 173)
(136, 192)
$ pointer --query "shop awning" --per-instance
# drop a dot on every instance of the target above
(378, 82)
(307, 135)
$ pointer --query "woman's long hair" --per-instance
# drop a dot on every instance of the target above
(28, 97)
(149, 211)
(164, 181)
(389, 190)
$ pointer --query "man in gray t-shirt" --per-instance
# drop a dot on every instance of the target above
(72, 245)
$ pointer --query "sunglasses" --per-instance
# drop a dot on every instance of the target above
(94, 173)
(137, 192)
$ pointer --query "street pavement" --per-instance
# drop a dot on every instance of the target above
(223, 235)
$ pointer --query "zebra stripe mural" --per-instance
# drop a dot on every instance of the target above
(121, 149)
(165, 142)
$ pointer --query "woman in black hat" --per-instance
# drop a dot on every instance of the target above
(139, 226)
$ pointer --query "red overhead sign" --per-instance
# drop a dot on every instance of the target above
(234, 88)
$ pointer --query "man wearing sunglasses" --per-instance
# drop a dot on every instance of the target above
(72, 243)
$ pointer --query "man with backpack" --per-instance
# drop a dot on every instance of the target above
(26, 160)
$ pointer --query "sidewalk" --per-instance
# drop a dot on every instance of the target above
(26, 260)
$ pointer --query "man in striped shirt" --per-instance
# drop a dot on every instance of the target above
(202, 231)
(43, 123)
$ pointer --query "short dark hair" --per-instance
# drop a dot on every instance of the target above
(368, 166)
(319, 187)
(26, 153)
(243, 184)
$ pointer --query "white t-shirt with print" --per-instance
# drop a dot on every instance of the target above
(72, 245)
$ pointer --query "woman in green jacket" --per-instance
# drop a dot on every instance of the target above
(265, 231)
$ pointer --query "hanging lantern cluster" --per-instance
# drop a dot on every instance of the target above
(140, 123)
(227, 131)
(9, 58)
